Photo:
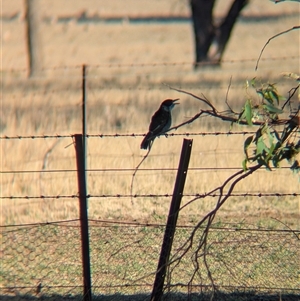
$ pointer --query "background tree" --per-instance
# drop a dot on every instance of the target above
(206, 32)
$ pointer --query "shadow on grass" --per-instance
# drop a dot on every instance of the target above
(234, 296)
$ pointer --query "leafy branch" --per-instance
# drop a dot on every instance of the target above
(276, 139)
(269, 145)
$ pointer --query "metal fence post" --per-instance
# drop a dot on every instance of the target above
(172, 220)
(81, 176)
(84, 100)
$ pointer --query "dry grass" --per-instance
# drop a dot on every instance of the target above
(122, 99)
(125, 85)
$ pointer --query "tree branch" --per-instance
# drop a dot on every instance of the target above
(277, 35)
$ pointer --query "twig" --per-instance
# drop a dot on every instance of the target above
(202, 244)
(45, 160)
(227, 93)
(134, 173)
(291, 94)
(205, 100)
(277, 35)
(287, 227)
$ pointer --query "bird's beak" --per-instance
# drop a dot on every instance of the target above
(175, 103)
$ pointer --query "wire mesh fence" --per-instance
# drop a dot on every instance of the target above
(44, 260)
(252, 251)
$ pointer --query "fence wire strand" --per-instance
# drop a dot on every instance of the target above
(117, 135)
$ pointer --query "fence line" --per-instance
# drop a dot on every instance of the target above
(141, 87)
(123, 170)
(157, 64)
(197, 195)
(105, 223)
(37, 250)
(133, 135)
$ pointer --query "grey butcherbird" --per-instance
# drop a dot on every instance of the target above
(160, 122)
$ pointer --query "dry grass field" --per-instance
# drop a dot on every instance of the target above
(129, 66)
(121, 99)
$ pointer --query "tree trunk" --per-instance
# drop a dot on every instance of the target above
(206, 33)
(224, 30)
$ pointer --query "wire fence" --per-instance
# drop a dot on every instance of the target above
(248, 257)
(253, 246)
(45, 259)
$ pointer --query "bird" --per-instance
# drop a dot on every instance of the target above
(160, 122)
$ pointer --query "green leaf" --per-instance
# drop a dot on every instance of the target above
(252, 82)
(259, 133)
(248, 112)
(244, 164)
(260, 146)
(274, 96)
(247, 144)
(271, 109)
(268, 96)
(270, 137)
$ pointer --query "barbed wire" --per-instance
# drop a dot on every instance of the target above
(156, 64)
(118, 135)
(60, 222)
(205, 87)
(16, 137)
(166, 195)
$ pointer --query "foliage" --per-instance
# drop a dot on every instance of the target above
(269, 146)
(278, 125)
(275, 140)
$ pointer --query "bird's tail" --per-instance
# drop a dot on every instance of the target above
(147, 141)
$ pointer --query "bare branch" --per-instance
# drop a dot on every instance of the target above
(226, 98)
(208, 219)
(291, 94)
(277, 35)
(206, 101)
(135, 171)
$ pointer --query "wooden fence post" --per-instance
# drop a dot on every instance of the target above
(172, 220)
(33, 37)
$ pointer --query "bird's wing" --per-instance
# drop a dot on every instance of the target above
(159, 122)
